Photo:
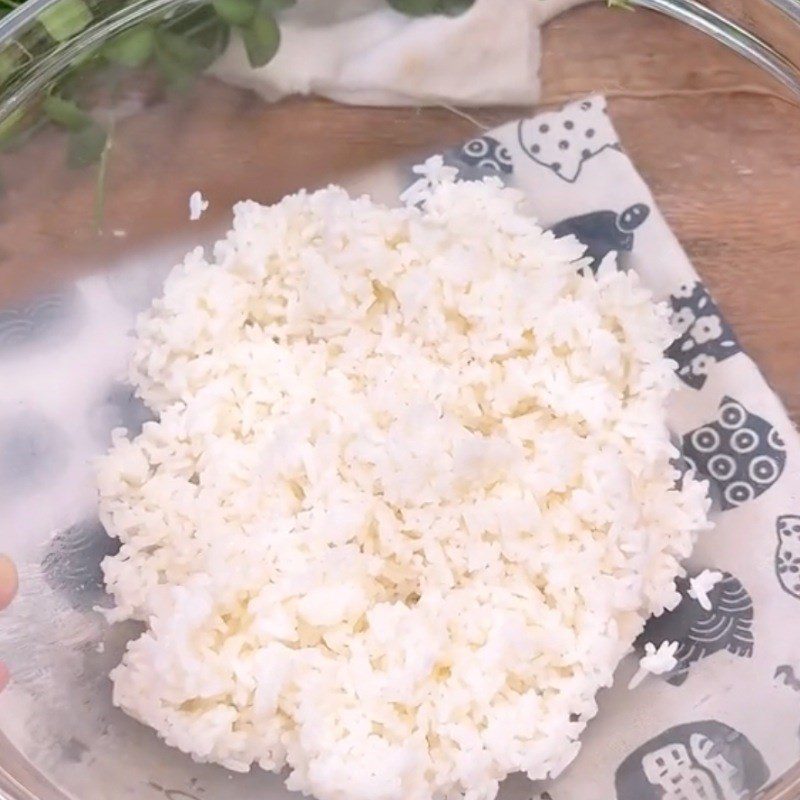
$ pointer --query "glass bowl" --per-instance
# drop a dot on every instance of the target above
(85, 245)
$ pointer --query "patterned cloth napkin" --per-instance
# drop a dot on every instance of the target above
(725, 721)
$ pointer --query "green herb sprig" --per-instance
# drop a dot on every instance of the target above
(174, 46)
(177, 46)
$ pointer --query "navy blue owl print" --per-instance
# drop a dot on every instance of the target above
(703, 335)
(740, 454)
(487, 153)
(787, 556)
(704, 760)
(726, 623)
(604, 232)
(480, 157)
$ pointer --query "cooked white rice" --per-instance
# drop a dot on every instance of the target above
(655, 661)
(408, 500)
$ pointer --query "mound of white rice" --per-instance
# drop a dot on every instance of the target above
(409, 498)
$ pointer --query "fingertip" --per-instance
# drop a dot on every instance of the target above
(9, 580)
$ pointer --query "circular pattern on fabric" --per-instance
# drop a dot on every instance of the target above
(484, 154)
(722, 467)
(776, 440)
(744, 440)
(736, 450)
(763, 469)
(503, 155)
(732, 415)
(477, 147)
(738, 492)
(706, 439)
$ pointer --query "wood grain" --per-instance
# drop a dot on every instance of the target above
(715, 139)
(717, 142)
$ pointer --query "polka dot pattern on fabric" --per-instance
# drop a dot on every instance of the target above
(563, 141)
(736, 453)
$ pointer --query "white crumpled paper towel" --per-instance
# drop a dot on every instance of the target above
(363, 52)
(720, 726)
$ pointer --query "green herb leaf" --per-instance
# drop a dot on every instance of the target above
(421, 8)
(65, 113)
(65, 18)
(102, 180)
(202, 27)
(454, 7)
(261, 39)
(414, 8)
(235, 12)
(132, 48)
(273, 6)
(8, 63)
(189, 53)
(177, 74)
(10, 127)
(179, 58)
(86, 145)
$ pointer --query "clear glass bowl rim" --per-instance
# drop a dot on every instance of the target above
(45, 66)
(26, 783)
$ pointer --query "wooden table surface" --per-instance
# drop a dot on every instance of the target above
(716, 140)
